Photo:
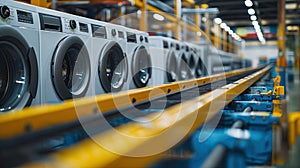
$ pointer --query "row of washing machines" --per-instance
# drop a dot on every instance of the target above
(48, 56)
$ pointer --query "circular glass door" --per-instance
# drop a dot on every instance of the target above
(192, 61)
(141, 67)
(71, 68)
(184, 70)
(200, 69)
(112, 67)
(171, 69)
(17, 72)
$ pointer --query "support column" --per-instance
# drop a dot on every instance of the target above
(225, 41)
(219, 37)
(41, 3)
(297, 59)
(216, 38)
(177, 7)
(207, 26)
(143, 21)
(197, 22)
(281, 61)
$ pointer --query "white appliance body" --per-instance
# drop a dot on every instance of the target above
(164, 54)
(19, 55)
(197, 56)
(65, 58)
(109, 57)
(139, 59)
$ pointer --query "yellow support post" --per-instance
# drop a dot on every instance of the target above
(294, 127)
(41, 3)
(197, 22)
(177, 10)
(144, 17)
(207, 26)
(281, 61)
(225, 41)
(219, 37)
(297, 58)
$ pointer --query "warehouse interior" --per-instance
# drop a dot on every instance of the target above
(150, 83)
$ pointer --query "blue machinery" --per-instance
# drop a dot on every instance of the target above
(234, 119)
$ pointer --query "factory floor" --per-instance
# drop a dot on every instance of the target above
(294, 106)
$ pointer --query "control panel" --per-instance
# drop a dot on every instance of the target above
(16, 16)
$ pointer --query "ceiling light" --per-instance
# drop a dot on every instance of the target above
(251, 11)
(253, 17)
(227, 28)
(291, 6)
(204, 19)
(199, 33)
(218, 20)
(254, 22)
(248, 3)
(256, 26)
(223, 25)
(292, 28)
(158, 17)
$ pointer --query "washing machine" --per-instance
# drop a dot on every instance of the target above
(109, 57)
(164, 55)
(139, 59)
(227, 60)
(19, 55)
(196, 61)
(65, 58)
(215, 61)
(184, 71)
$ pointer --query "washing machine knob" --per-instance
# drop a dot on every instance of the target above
(73, 24)
(113, 32)
(141, 38)
(4, 12)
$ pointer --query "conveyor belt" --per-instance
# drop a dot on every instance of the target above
(137, 138)
(36, 125)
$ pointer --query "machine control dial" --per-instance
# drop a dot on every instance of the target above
(113, 32)
(4, 12)
(73, 24)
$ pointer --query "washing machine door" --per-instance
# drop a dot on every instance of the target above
(192, 61)
(18, 70)
(71, 68)
(112, 67)
(200, 69)
(171, 67)
(184, 70)
(141, 66)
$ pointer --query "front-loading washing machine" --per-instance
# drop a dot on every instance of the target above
(227, 60)
(109, 56)
(214, 61)
(197, 65)
(191, 54)
(184, 71)
(164, 54)
(19, 55)
(139, 59)
(64, 56)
